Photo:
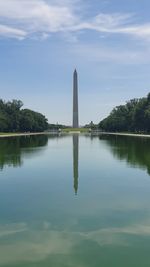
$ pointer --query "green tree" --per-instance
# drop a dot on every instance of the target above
(133, 116)
(15, 119)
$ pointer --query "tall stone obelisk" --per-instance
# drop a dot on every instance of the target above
(75, 100)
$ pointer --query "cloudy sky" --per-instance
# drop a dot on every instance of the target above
(42, 41)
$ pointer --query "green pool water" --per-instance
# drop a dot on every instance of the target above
(74, 201)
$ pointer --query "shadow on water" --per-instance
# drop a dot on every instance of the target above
(135, 151)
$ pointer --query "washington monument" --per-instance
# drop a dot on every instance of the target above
(75, 100)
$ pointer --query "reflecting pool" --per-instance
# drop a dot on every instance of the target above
(74, 201)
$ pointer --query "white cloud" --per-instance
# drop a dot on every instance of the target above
(10, 32)
(23, 18)
(101, 53)
(142, 31)
(119, 24)
(35, 16)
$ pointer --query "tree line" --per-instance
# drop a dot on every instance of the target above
(15, 119)
(134, 116)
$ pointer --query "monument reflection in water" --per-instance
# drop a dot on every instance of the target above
(12, 151)
(75, 161)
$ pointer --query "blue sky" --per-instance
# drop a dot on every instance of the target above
(42, 41)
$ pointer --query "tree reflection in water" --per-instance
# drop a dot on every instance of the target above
(11, 149)
(135, 150)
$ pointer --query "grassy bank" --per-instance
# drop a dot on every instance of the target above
(19, 134)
